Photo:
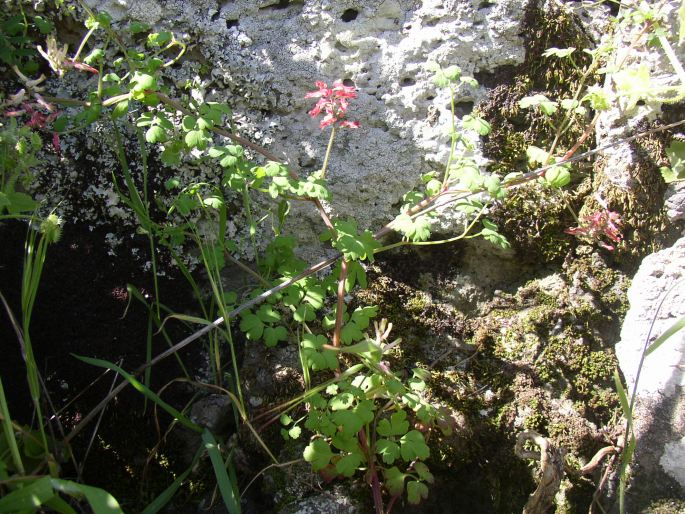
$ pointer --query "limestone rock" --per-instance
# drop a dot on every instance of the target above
(657, 301)
(264, 56)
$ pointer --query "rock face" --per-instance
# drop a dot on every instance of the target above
(261, 57)
(657, 301)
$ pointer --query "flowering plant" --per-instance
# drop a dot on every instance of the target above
(600, 223)
(333, 102)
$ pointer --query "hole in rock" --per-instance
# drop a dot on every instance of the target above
(407, 81)
(348, 83)
(281, 4)
(232, 23)
(463, 108)
(349, 15)
(215, 16)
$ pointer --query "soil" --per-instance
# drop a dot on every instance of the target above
(80, 310)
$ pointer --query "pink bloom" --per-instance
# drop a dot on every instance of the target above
(37, 119)
(604, 223)
(333, 102)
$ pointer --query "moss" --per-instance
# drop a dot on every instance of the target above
(533, 219)
(513, 128)
(645, 225)
(666, 507)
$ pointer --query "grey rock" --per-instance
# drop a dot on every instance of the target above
(264, 58)
(657, 301)
(674, 200)
(213, 412)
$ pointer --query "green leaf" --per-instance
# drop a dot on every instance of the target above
(315, 356)
(349, 464)
(351, 332)
(367, 349)
(362, 315)
(598, 98)
(252, 326)
(476, 124)
(304, 313)
(197, 139)
(490, 233)
(137, 27)
(43, 25)
(416, 491)
(94, 57)
(443, 77)
(396, 425)
(676, 154)
(155, 134)
(226, 486)
(318, 454)
(634, 84)
(295, 432)
(667, 174)
(546, 105)
(394, 481)
(388, 450)
(537, 155)
(102, 19)
(120, 109)
(423, 471)
(355, 275)
(558, 52)
(413, 446)
(314, 296)
(349, 421)
(268, 314)
(557, 176)
(28, 498)
(416, 229)
(341, 401)
(272, 335)
(20, 202)
(142, 82)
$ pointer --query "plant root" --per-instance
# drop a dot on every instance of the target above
(552, 470)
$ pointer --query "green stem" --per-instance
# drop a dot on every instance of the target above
(83, 44)
(252, 229)
(328, 152)
(453, 144)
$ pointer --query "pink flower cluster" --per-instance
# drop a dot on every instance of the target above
(37, 120)
(598, 224)
(333, 102)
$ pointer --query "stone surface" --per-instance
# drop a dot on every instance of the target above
(657, 301)
(213, 412)
(261, 57)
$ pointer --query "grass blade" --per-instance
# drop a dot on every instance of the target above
(158, 503)
(9, 432)
(623, 397)
(678, 325)
(100, 500)
(28, 497)
(226, 488)
(144, 390)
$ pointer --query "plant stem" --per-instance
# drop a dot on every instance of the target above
(328, 152)
(341, 303)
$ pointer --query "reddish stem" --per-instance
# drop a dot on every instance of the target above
(373, 474)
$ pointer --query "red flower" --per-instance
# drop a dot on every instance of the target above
(333, 102)
(601, 223)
